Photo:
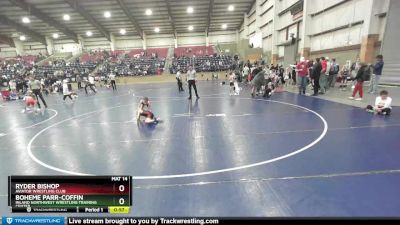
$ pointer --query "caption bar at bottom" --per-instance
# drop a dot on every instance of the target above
(137, 221)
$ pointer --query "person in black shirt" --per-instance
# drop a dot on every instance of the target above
(281, 72)
(316, 73)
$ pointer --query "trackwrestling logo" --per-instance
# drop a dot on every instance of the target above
(33, 220)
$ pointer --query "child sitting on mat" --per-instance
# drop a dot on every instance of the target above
(144, 110)
(382, 104)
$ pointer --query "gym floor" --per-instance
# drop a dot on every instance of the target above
(222, 155)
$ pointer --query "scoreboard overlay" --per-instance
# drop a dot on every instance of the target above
(75, 194)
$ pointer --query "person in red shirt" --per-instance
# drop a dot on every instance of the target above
(323, 78)
(302, 72)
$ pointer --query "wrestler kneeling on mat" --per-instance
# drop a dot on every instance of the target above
(145, 111)
(30, 102)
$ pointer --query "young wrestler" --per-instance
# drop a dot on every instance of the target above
(383, 104)
(66, 92)
(30, 102)
(144, 110)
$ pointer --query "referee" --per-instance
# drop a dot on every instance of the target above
(36, 88)
(112, 81)
(191, 78)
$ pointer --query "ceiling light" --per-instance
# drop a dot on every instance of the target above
(66, 17)
(107, 14)
(55, 35)
(122, 31)
(190, 28)
(231, 8)
(22, 38)
(89, 33)
(148, 12)
(156, 29)
(26, 20)
(189, 9)
(224, 26)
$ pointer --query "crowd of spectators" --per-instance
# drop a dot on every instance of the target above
(202, 63)
(15, 73)
(134, 64)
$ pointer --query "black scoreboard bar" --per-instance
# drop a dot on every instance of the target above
(89, 194)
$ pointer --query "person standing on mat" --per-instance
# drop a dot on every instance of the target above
(66, 91)
(179, 80)
(36, 88)
(90, 84)
(191, 78)
(79, 81)
(112, 81)
(257, 82)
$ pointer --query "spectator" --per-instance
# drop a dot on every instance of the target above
(376, 75)
(316, 74)
(362, 75)
(345, 75)
(324, 77)
(294, 74)
(245, 71)
(13, 85)
(333, 72)
(302, 71)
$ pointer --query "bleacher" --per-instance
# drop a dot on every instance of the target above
(117, 53)
(135, 62)
(160, 52)
(193, 51)
(11, 67)
(29, 59)
(202, 63)
(133, 67)
(94, 56)
(55, 57)
(66, 70)
(10, 71)
(26, 60)
(203, 58)
(148, 53)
